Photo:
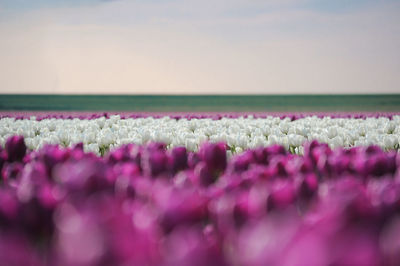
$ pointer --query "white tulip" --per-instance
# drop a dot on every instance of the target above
(284, 127)
(284, 142)
(295, 140)
(390, 142)
(191, 144)
(93, 147)
(331, 132)
(336, 142)
(273, 139)
(238, 150)
(239, 132)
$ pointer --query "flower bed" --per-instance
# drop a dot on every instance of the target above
(149, 205)
(40, 115)
(99, 135)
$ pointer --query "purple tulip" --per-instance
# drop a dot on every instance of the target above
(16, 148)
(241, 162)
(261, 155)
(3, 157)
(179, 159)
(84, 176)
(277, 167)
(264, 206)
(80, 236)
(299, 165)
(282, 195)
(51, 155)
(193, 159)
(381, 164)
(8, 206)
(276, 150)
(188, 246)
(339, 162)
(205, 175)
(263, 242)
(214, 155)
(373, 149)
(121, 154)
(15, 250)
(156, 146)
(306, 189)
(180, 207)
(154, 162)
(11, 171)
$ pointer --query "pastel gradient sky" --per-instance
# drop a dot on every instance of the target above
(199, 47)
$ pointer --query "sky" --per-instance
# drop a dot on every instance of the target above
(199, 46)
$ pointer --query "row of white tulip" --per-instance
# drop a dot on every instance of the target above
(99, 135)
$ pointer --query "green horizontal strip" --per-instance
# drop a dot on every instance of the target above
(191, 103)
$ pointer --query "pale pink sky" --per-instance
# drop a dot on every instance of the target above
(194, 47)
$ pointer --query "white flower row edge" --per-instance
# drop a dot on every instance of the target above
(99, 135)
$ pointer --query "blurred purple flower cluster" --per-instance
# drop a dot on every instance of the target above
(41, 115)
(145, 205)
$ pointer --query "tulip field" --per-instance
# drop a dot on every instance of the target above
(177, 189)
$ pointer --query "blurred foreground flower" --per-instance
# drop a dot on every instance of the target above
(147, 205)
